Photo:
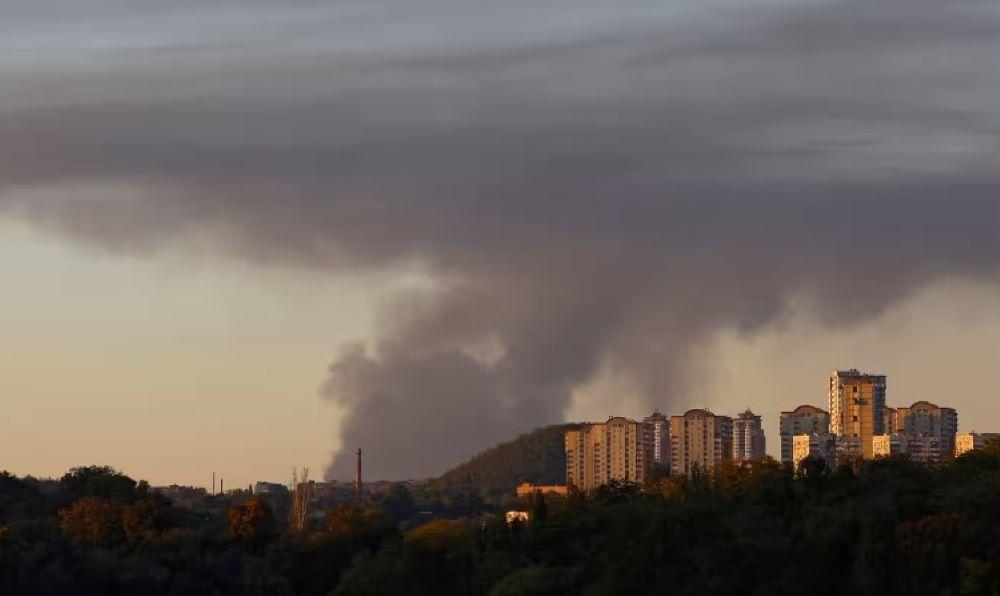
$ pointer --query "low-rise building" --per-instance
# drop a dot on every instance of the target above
(816, 445)
(269, 488)
(924, 449)
(524, 489)
(803, 420)
(969, 441)
(888, 445)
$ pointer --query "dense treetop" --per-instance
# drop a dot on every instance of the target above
(889, 526)
(537, 457)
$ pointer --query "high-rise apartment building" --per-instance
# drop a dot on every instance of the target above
(619, 449)
(924, 419)
(803, 420)
(929, 448)
(584, 455)
(849, 448)
(661, 438)
(857, 407)
(748, 437)
(890, 421)
(701, 438)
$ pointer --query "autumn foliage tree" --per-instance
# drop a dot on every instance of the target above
(93, 521)
(252, 523)
(145, 520)
(365, 527)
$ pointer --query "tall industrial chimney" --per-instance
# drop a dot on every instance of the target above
(357, 477)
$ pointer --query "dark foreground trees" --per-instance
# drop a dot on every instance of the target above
(886, 527)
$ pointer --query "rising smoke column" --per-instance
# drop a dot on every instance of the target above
(587, 196)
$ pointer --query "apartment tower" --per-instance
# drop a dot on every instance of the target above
(857, 408)
(597, 453)
(700, 438)
(661, 438)
(924, 419)
(748, 437)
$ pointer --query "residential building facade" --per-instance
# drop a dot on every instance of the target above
(803, 420)
(597, 453)
(585, 456)
(921, 448)
(817, 445)
(748, 437)
(661, 438)
(699, 438)
(890, 421)
(526, 489)
(849, 448)
(924, 419)
(969, 441)
(857, 407)
(889, 444)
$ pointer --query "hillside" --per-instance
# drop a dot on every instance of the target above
(538, 457)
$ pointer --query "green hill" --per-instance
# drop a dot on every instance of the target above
(537, 457)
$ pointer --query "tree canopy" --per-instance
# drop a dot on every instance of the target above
(889, 526)
(538, 457)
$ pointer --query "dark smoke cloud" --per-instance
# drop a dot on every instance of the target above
(591, 186)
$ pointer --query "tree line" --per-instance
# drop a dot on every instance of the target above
(890, 526)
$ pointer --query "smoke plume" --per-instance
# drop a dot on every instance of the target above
(591, 188)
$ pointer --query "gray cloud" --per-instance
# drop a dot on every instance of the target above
(592, 185)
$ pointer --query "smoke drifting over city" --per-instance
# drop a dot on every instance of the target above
(592, 188)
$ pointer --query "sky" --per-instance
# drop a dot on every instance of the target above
(245, 236)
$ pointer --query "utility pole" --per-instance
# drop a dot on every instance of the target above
(357, 477)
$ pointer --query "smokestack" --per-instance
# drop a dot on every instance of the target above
(222, 486)
(213, 483)
(357, 477)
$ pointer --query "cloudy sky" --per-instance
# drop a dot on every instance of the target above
(236, 236)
